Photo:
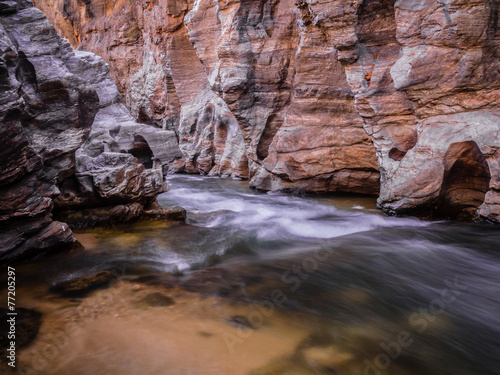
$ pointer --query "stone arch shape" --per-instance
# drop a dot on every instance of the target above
(466, 181)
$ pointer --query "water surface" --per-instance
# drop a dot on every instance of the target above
(276, 284)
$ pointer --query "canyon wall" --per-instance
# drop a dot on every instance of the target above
(426, 76)
(315, 95)
(67, 140)
(253, 88)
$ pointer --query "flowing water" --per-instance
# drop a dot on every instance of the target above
(272, 284)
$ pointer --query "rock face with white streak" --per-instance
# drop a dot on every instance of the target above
(67, 140)
(315, 95)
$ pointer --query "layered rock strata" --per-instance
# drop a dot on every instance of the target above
(68, 142)
(253, 89)
(316, 94)
(121, 161)
(426, 76)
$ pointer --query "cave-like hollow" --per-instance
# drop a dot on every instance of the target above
(466, 181)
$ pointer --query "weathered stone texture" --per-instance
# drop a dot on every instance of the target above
(67, 140)
(316, 95)
(46, 112)
(426, 75)
(252, 88)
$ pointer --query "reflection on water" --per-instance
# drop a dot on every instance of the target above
(273, 284)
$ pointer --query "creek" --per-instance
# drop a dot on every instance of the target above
(259, 284)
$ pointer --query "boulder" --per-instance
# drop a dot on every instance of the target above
(68, 142)
(83, 285)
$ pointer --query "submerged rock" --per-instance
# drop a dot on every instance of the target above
(315, 355)
(328, 357)
(214, 281)
(102, 215)
(124, 213)
(285, 367)
(81, 286)
(160, 213)
(156, 299)
(240, 321)
(28, 322)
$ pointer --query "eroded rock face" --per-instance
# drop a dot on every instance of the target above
(317, 95)
(426, 75)
(67, 141)
(46, 113)
(252, 88)
(122, 161)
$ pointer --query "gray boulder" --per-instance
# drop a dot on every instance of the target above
(67, 141)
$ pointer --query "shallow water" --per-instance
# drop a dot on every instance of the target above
(325, 285)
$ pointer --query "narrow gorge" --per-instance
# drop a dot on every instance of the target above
(315, 96)
(250, 187)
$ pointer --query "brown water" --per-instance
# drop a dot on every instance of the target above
(271, 284)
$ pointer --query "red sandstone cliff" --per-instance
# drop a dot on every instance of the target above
(253, 89)
(317, 95)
